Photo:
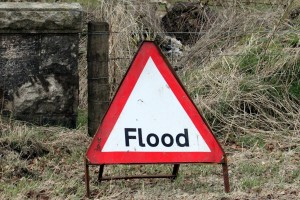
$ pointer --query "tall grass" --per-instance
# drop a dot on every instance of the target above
(243, 73)
(130, 22)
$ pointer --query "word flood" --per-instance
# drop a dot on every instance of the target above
(153, 140)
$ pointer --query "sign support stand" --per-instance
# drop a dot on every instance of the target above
(175, 171)
(101, 170)
(87, 178)
(152, 120)
(225, 174)
(172, 177)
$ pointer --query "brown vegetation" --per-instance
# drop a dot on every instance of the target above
(243, 75)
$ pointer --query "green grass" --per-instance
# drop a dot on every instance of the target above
(82, 118)
(250, 141)
(59, 173)
(294, 89)
(253, 169)
(244, 99)
(82, 2)
(251, 183)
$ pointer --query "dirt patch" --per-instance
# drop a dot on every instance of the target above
(295, 17)
(28, 149)
(20, 172)
(184, 19)
(38, 195)
(295, 13)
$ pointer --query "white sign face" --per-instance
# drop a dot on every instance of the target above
(153, 120)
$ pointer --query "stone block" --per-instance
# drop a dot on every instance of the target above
(39, 61)
(59, 54)
(40, 17)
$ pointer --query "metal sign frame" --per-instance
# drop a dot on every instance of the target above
(95, 156)
(172, 176)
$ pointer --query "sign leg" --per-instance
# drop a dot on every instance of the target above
(225, 175)
(101, 169)
(87, 178)
(175, 171)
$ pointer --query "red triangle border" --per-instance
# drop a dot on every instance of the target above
(94, 154)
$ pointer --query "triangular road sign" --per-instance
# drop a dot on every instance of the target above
(152, 119)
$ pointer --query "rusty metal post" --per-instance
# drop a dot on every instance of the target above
(225, 175)
(101, 169)
(175, 171)
(98, 86)
(87, 178)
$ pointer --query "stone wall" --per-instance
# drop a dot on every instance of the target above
(38, 62)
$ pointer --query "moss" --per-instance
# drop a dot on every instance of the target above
(82, 118)
(292, 40)
(249, 141)
(249, 62)
(294, 89)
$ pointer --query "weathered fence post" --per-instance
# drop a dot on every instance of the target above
(98, 86)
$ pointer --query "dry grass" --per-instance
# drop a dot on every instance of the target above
(130, 22)
(261, 166)
(243, 75)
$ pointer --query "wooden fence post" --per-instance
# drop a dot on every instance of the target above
(98, 85)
